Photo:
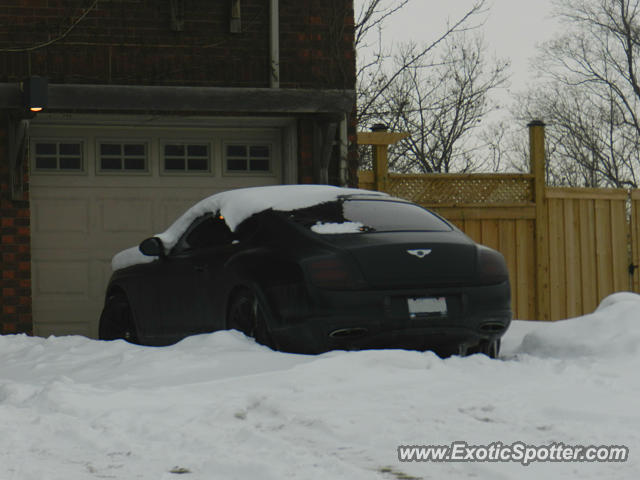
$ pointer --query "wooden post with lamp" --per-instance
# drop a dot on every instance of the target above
(380, 139)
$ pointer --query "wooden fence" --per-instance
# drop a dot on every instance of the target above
(634, 266)
(566, 249)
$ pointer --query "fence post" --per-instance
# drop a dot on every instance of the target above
(380, 139)
(634, 267)
(380, 161)
(537, 166)
(380, 167)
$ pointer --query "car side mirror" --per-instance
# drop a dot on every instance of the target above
(152, 247)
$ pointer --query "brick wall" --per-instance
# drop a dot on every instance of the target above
(316, 42)
(131, 42)
(15, 256)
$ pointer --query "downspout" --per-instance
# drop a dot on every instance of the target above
(344, 151)
(274, 42)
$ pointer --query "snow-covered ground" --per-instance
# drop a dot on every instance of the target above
(221, 407)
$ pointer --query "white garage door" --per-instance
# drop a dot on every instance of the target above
(96, 190)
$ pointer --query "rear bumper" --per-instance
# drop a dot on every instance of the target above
(327, 320)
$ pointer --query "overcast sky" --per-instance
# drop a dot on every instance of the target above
(512, 28)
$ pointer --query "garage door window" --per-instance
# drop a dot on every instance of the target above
(122, 157)
(248, 158)
(186, 158)
(58, 156)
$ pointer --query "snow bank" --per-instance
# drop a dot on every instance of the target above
(238, 205)
(221, 406)
(612, 330)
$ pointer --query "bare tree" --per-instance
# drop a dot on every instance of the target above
(437, 92)
(591, 95)
(372, 15)
(587, 143)
(442, 105)
(377, 71)
(506, 148)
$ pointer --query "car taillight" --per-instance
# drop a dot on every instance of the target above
(491, 266)
(330, 273)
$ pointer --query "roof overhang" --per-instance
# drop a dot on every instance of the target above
(174, 99)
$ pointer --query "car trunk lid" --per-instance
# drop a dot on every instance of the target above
(411, 259)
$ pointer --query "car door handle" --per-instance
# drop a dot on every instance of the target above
(200, 268)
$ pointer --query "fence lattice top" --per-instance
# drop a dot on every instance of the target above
(456, 189)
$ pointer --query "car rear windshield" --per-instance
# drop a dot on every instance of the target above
(353, 216)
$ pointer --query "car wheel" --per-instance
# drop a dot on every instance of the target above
(246, 314)
(491, 349)
(116, 321)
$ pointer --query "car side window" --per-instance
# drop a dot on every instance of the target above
(211, 231)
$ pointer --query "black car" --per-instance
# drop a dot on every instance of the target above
(349, 269)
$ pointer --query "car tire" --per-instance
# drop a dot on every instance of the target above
(491, 349)
(116, 321)
(246, 313)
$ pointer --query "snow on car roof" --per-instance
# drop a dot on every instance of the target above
(238, 205)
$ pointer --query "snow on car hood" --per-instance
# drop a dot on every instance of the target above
(238, 205)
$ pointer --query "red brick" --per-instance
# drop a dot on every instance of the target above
(10, 300)
(8, 274)
(9, 328)
(8, 292)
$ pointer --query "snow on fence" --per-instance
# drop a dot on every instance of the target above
(566, 248)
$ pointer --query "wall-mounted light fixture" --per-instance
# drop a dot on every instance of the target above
(35, 93)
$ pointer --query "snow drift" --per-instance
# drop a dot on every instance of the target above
(221, 406)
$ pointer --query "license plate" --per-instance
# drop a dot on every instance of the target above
(425, 306)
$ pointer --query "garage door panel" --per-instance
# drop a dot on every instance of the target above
(102, 269)
(68, 241)
(61, 278)
(53, 215)
(244, 182)
(126, 215)
(170, 211)
(58, 324)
